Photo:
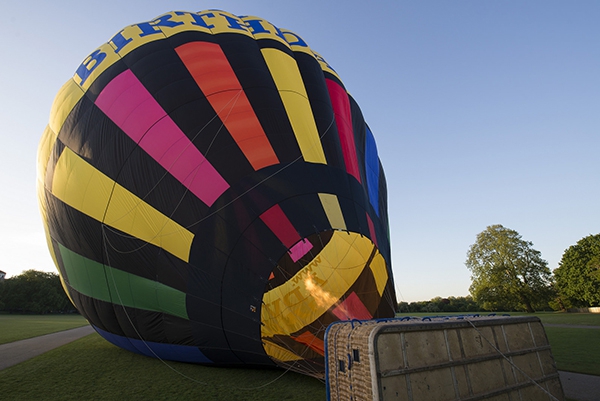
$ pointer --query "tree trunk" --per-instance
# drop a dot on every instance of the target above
(527, 304)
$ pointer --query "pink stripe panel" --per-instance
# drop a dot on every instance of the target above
(372, 230)
(343, 121)
(352, 308)
(281, 226)
(300, 249)
(129, 105)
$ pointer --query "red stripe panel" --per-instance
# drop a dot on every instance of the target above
(214, 76)
(352, 308)
(281, 226)
(343, 120)
(372, 230)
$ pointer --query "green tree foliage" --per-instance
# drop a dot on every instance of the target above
(441, 305)
(577, 278)
(507, 273)
(34, 292)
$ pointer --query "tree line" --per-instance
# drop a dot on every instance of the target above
(34, 292)
(441, 305)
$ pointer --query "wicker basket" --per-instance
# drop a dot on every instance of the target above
(456, 358)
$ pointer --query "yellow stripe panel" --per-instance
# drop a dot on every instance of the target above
(332, 208)
(80, 185)
(289, 83)
(279, 353)
(292, 305)
(66, 98)
(43, 155)
(379, 270)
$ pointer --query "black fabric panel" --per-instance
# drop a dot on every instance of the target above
(306, 214)
(99, 313)
(135, 323)
(274, 44)
(257, 251)
(320, 102)
(241, 305)
(208, 331)
(74, 230)
(144, 177)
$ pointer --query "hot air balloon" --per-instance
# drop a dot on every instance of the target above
(212, 194)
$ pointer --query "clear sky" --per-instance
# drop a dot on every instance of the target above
(484, 112)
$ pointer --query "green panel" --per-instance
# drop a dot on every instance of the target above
(85, 275)
(98, 281)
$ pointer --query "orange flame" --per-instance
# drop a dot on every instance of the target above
(321, 297)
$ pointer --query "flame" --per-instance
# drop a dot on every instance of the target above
(322, 297)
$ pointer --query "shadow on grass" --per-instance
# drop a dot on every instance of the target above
(92, 368)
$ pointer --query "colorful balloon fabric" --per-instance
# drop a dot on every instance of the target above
(212, 194)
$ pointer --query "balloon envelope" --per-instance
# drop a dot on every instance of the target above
(212, 194)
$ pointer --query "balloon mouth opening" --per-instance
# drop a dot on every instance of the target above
(320, 280)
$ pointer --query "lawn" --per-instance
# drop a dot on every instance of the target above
(92, 368)
(584, 319)
(20, 327)
(575, 350)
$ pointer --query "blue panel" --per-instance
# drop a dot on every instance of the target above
(372, 169)
(172, 352)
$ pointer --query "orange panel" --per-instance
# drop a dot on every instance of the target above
(212, 72)
(307, 338)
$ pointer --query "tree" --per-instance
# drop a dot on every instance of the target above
(506, 272)
(439, 304)
(577, 278)
(35, 292)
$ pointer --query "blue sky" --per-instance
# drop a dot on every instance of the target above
(484, 112)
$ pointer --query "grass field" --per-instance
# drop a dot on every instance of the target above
(92, 368)
(21, 327)
(575, 350)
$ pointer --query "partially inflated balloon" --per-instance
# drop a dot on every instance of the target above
(212, 194)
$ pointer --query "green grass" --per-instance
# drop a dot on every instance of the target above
(584, 319)
(92, 368)
(575, 350)
(21, 327)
